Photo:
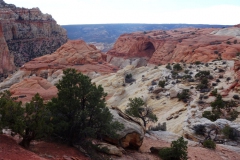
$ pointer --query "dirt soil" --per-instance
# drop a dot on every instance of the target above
(10, 150)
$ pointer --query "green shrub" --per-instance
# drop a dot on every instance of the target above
(159, 127)
(199, 129)
(203, 84)
(177, 151)
(233, 115)
(128, 76)
(184, 95)
(186, 71)
(213, 116)
(229, 132)
(168, 66)
(214, 92)
(238, 54)
(209, 144)
(202, 74)
(177, 67)
(161, 84)
(197, 62)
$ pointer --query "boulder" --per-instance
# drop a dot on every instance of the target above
(109, 149)
(173, 93)
(133, 133)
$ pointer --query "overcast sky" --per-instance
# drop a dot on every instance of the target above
(137, 11)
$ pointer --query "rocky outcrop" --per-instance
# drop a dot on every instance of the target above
(49, 68)
(133, 133)
(74, 54)
(186, 45)
(26, 34)
(27, 88)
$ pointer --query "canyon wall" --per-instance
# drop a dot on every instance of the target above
(26, 34)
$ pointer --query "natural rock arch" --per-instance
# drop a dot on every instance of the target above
(146, 49)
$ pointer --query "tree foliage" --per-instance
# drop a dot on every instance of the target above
(31, 121)
(79, 111)
(137, 108)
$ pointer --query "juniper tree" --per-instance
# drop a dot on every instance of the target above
(137, 108)
(79, 110)
(31, 121)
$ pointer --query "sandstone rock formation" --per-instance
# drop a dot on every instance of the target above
(49, 70)
(27, 88)
(26, 34)
(133, 133)
(187, 45)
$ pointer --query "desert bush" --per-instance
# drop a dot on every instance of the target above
(213, 116)
(186, 71)
(202, 74)
(161, 84)
(184, 95)
(197, 62)
(203, 84)
(174, 74)
(168, 66)
(177, 67)
(209, 144)
(236, 96)
(159, 127)
(229, 133)
(233, 115)
(177, 151)
(235, 41)
(238, 54)
(129, 78)
(199, 129)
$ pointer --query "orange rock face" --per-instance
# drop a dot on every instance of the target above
(74, 54)
(187, 45)
(47, 70)
(27, 88)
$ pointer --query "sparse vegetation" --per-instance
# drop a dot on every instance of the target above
(168, 66)
(229, 132)
(184, 95)
(209, 144)
(213, 116)
(161, 83)
(197, 62)
(202, 74)
(199, 129)
(177, 151)
(159, 127)
(177, 67)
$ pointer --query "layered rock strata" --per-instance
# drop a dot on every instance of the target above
(186, 45)
(26, 34)
(40, 74)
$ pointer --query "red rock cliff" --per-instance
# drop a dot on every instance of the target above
(188, 45)
(26, 34)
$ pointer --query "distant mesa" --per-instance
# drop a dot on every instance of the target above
(26, 34)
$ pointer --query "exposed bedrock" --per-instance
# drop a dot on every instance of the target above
(26, 34)
(186, 45)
